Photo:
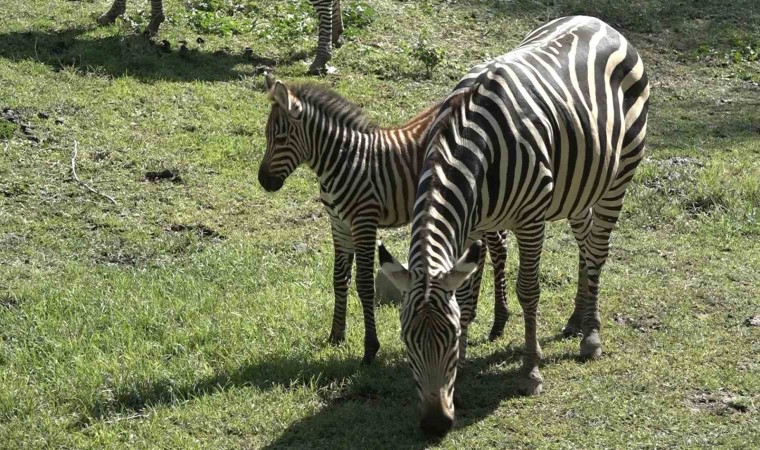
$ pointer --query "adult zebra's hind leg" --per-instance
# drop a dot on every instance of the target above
(324, 10)
(530, 240)
(337, 25)
(581, 227)
(497, 250)
(117, 9)
(156, 17)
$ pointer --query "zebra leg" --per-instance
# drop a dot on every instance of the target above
(156, 17)
(117, 9)
(604, 216)
(581, 227)
(467, 298)
(324, 9)
(343, 246)
(497, 250)
(530, 240)
(365, 236)
(337, 25)
(341, 281)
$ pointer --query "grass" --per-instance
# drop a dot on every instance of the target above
(194, 312)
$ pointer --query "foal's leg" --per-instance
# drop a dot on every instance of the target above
(467, 298)
(364, 234)
(344, 259)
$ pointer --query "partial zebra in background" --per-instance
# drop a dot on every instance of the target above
(368, 177)
(553, 129)
(328, 12)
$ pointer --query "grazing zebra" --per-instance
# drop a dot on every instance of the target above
(367, 177)
(328, 13)
(553, 129)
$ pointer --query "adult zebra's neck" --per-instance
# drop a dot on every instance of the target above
(447, 202)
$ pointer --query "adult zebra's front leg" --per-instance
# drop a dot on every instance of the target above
(530, 240)
(364, 233)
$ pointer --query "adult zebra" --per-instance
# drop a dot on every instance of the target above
(367, 178)
(328, 13)
(553, 129)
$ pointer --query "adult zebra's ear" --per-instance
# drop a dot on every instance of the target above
(392, 269)
(464, 267)
(287, 100)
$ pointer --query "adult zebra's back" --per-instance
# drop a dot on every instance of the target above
(554, 129)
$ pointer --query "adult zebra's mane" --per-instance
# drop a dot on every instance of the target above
(448, 117)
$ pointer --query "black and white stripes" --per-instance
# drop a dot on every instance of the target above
(368, 177)
(554, 129)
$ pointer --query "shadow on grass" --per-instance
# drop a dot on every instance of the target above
(375, 405)
(132, 55)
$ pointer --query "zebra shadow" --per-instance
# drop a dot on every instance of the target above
(134, 55)
(379, 407)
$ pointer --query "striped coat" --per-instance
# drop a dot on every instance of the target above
(551, 130)
(368, 178)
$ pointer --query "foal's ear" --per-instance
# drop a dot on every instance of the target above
(464, 267)
(392, 269)
(287, 101)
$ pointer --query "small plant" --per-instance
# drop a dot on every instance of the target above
(222, 17)
(357, 15)
(6, 129)
(428, 55)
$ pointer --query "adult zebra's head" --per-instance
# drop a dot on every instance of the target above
(430, 329)
(286, 146)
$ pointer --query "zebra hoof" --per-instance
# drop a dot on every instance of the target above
(338, 41)
(155, 23)
(591, 346)
(497, 330)
(530, 383)
(370, 351)
(572, 328)
(109, 17)
(336, 339)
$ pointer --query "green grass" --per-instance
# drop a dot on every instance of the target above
(129, 324)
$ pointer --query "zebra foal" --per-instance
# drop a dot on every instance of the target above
(367, 177)
(553, 129)
(328, 13)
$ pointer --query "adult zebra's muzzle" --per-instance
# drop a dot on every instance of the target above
(436, 418)
(269, 182)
